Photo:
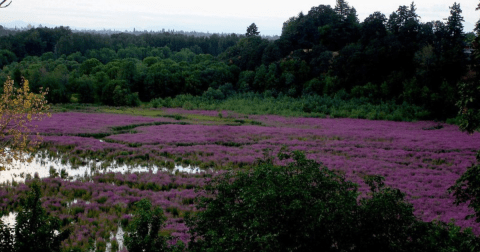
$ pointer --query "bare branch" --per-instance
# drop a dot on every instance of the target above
(5, 5)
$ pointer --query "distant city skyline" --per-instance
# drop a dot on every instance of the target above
(212, 16)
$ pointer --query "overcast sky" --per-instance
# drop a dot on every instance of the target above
(205, 16)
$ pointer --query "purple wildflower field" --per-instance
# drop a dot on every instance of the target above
(99, 205)
(74, 122)
(422, 163)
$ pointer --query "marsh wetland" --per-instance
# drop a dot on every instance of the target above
(94, 165)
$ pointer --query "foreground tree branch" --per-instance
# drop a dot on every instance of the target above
(3, 2)
(18, 108)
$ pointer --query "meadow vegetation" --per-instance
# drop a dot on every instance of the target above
(418, 160)
(322, 139)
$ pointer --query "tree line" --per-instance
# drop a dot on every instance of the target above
(62, 40)
(327, 50)
(323, 52)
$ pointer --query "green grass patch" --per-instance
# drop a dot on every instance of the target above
(305, 106)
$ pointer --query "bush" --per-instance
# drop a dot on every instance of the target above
(307, 105)
(307, 207)
(7, 240)
(143, 230)
(467, 189)
(34, 230)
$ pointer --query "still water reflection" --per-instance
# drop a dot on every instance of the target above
(44, 166)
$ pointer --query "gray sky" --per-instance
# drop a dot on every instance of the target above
(207, 15)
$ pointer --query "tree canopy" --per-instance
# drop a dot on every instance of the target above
(327, 51)
(467, 187)
(304, 206)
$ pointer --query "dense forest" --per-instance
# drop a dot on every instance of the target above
(326, 52)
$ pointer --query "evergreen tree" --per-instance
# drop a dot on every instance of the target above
(454, 22)
(342, 8)
(412, 13)
(455, 65)
(477, 25)
(352, 16)
(405, 19)
(392, 23)
(252, 30)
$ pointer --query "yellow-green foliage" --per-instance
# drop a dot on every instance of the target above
(18, 108)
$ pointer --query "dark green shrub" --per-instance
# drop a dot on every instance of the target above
(306, 207)
(63, 174)
(101, 200)
(143, 230)
(467, 189)
(101, 245)
(173, 210)
(7, 239)
(35, 229)
(115, 246)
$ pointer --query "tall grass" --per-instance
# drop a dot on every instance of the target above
(307, 106)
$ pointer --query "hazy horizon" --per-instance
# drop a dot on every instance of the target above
(208, 16)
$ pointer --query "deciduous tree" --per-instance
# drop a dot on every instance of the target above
(307, 207)
(18, 109)
(467, 187)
